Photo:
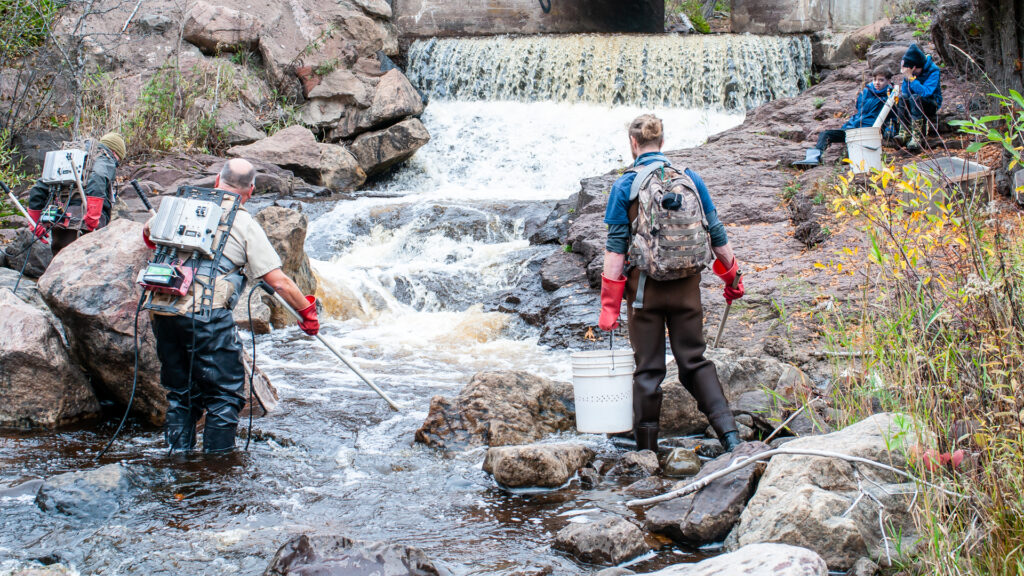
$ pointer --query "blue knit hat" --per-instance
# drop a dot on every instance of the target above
(914, 57)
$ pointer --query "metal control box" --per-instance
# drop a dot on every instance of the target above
(57, 167)
(186, 224)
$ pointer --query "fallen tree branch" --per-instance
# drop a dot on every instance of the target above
(788, 420)
(744, 462)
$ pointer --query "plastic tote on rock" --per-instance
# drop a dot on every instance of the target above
(864, 148)
(602, 387)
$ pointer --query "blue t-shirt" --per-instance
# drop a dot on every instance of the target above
(617, 212)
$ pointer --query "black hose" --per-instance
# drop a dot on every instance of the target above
(135, 378)
(546, 9)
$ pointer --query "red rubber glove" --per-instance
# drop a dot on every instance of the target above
(145, 238)
(611, 300)
(732, 277)
(93, 212)
(36, 228)
(310, 324)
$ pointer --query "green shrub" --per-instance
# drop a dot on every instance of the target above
(24, 25)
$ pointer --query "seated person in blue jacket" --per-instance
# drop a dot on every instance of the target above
(869, 105)
(920, 96)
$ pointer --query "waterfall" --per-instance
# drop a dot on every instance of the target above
(729, 72)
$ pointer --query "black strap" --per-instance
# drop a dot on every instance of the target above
(546, 9)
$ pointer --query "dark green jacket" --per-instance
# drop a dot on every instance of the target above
(99, 184)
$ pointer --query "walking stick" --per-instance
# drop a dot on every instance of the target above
(394, 406)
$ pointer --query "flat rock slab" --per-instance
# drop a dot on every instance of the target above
(755, 560)
(87, 494)
(340, 556)
(709, 514)
(610, 540)
(537, 465)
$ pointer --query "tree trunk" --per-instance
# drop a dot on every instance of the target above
(1002, 21)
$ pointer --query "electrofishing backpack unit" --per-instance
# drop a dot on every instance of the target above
(189, 274)
(670, 238)
(65, 173)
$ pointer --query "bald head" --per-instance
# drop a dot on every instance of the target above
(237, 176)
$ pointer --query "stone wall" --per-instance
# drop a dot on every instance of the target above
(425, 18)
(804, 16)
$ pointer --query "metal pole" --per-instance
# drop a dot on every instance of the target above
(340, 356)
(20, 207)
(725, 315)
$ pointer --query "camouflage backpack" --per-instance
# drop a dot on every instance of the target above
(670, 238)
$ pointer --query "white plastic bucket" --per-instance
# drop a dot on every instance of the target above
(864, 148)
(602, 387)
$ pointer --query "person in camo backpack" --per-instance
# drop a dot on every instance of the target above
(658, 268)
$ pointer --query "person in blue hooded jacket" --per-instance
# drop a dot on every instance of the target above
(920, 96)
(869, 105)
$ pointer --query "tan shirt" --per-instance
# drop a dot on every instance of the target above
(249, 247)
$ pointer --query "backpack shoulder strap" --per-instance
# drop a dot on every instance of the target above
(642, 174)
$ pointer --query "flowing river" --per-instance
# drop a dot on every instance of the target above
(406, 268)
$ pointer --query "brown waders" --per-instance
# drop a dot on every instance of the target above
(673, 304)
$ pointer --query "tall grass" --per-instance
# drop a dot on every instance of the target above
(938, 332)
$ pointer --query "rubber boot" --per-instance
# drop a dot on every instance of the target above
(647, 438)
(180, 429)
(217, 440)
(812, 158)
(916, 135)
(730, 440)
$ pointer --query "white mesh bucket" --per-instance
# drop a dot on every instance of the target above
(864, 148)
(602, 387)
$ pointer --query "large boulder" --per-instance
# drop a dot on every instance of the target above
(25, 246)
(92, 495)
(708, 514)
(816, 502)
(39, 385)
(32, 145)
(286, 230)
(608, 541)
(296, 149)
(394, 98)
(337, 95)
(754, 560)
(91, 287)
(326, 555)
(536, 465)
(218, 28)
(380, 150)
(252, 313)
(499, 409)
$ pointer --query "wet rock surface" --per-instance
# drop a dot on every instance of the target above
(609, 540)
(378, 151)
(755, 560)
(536, 465)
(326, 555)
(803, 500)
(39, 384)
(499, 409)
(681, 462)
(708, 515)
(88, 495)
(641, 464)
(91, 287)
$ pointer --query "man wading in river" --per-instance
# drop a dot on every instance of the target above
(201, 362)
(663, 230)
